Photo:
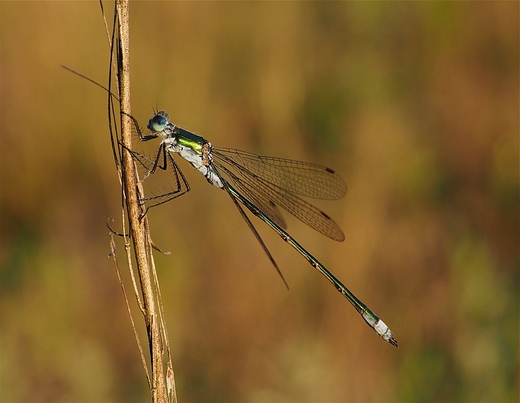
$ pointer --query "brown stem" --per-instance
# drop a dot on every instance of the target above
(137, 228)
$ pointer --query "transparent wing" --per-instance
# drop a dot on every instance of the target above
(301, 178)
(267, 196)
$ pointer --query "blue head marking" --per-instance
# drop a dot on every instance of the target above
(158, 122)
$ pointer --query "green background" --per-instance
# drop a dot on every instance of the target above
(415, 104)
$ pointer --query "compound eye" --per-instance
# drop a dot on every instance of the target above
(157, 123)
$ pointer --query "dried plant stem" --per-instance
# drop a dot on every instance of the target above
(137, 227)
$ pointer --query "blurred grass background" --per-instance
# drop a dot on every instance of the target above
(415, 104)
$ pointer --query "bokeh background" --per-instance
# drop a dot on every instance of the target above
(415, 104)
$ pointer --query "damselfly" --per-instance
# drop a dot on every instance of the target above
(261, 184)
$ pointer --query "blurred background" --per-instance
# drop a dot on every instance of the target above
(416, 105)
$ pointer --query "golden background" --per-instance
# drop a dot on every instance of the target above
(416, 105)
